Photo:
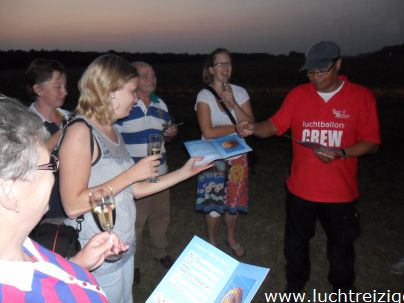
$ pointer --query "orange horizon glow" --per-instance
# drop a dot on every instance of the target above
(276, 26)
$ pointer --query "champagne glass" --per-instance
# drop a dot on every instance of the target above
(103, 209)
(224, 88)
(154, 148)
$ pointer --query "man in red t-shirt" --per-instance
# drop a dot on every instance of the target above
(332, 122)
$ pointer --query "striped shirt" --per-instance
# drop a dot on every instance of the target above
(50, 278)
(139, 124)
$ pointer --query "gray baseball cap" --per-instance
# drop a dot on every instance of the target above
(320, 55)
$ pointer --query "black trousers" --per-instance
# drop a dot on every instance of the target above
(340, 222)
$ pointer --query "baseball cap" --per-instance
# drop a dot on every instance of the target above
(320, 55)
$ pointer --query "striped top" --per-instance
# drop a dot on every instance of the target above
(139, 124)
(50, 278)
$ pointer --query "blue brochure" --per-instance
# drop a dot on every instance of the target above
(218, 148)
(205, 274)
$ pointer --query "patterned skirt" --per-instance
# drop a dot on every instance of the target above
(224, 187)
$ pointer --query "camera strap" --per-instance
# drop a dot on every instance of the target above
(225, 108)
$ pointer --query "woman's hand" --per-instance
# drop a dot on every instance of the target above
(100, 246)
(191, 168)
(146, 168)
(245, 128)
(228, 98)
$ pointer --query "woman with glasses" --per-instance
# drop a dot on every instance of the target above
(107, 93)
(224, 188)
(28, 271)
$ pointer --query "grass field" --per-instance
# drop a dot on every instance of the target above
(261, 231)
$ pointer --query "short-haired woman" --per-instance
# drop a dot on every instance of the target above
(45, 85)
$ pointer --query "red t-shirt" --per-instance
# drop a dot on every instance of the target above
(349, 117)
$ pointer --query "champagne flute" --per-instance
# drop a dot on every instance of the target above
(154, 148)
(103, 209)
(224, 88)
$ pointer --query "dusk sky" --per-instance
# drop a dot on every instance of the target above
(199, 26)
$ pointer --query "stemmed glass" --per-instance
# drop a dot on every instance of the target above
(103, 209)
(154, 148)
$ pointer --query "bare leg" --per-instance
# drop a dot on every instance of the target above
(211, 226)
(231, 223)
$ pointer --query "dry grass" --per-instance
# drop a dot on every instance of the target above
(261, 231)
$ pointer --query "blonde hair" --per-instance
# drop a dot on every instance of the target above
(207, 77)
(106, 74)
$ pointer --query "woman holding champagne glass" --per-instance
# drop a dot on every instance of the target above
(224, 188)
(107, 93)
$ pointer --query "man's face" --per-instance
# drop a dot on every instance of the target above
(325, 80)
(147, 79)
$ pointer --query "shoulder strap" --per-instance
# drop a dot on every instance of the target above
(89, 127)
(225, 108)
(79, 219)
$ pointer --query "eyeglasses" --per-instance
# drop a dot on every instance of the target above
(222, 64)
(53, 164)
(322, 72)
(147, 76)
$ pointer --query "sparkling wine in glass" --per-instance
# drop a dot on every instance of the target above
(103, 209)
(154, 148)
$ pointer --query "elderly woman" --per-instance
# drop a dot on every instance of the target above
(224, 188)
(107, 93)
(28, 271)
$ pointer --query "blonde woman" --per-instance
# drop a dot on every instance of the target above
(107, 93)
